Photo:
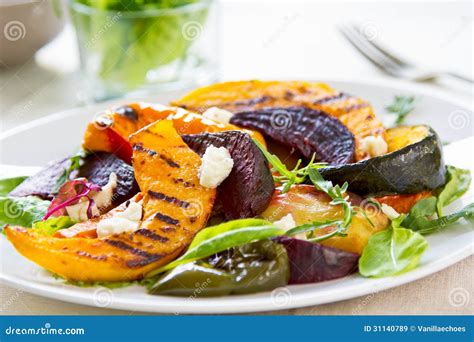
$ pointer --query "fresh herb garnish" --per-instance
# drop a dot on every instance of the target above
(401, 107)
(339, 197)
(288, 177)
(297, 176)
(420, 217)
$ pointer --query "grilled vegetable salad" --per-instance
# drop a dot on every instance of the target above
(236, 188)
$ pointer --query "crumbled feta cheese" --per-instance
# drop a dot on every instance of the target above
(374, 145)
(217, 114)
(102, 199)
(286, 222)
(78, 211)
(132, 213)
(125, 221)
(389, 211)
(216, 166)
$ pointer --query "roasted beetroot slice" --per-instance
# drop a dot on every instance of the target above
(43, 183)
(313, 263)
(308, 130)
(97, 168)
(249, 187)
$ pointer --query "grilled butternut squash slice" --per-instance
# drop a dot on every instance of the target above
(355, 113)
(175, 208)
(110, 131)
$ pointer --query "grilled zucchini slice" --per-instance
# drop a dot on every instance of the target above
(414, 163)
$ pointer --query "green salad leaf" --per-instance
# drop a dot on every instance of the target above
(75, 164)
(417, 222)
(218, 238)
(458, 182)
(8, 184)
(22, 211)
(391, 252)
(53, 224)
(400, 248)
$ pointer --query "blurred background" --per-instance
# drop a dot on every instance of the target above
(56, 55)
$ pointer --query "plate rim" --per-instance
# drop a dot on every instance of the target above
(263, 303)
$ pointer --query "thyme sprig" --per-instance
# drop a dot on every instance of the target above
(288, 177)
(298, 175)
(401, 106)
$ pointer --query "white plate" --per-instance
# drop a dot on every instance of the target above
(57, 135)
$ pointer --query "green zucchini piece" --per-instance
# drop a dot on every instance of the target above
(414, 163)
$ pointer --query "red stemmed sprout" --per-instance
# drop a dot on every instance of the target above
(71, 193)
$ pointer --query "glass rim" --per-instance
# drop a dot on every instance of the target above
(155, 12)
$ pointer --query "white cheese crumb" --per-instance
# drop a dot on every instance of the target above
(374, 145)
(102, 199)
(216, 166)
(125, 221)
(219, 115)
(389, 211)
(286, 222)
(78, 211)
(132, 213)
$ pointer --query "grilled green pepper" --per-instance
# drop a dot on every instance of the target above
(255, 267)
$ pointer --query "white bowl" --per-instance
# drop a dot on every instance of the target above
(26, 26)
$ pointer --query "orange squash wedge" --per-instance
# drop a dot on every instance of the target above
(175, 208)
(110, 132)
(355, 113)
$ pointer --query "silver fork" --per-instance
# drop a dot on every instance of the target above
(388, 62)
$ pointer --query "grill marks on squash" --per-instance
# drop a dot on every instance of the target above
(169, 199)
(166, 219)
(355, 113)
(170, 189)
(166, 159)
(152, 235)
(130, 256)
